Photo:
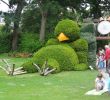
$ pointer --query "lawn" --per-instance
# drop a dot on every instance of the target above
(62, 86)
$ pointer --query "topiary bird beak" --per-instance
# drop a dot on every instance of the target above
(62, 37)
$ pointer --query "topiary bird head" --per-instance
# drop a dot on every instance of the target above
(67, 30)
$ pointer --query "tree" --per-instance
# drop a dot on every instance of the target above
(98, 7)
(45, 7)
(16, 19)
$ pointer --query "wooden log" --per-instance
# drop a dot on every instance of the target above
(19, 68)
(38, 68)
(19, 73)
(46, 73)
(4, 70)
(13, 69)
(7, 65)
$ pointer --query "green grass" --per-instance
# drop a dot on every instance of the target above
(70, 85)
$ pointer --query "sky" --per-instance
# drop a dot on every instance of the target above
(4, 7)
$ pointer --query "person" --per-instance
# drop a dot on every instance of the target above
(107, 57)
(106, 80)
(99, 82)
(101, 64)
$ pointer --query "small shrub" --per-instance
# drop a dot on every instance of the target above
(80, 67)
(5, 42)
(29, 67)
(64, 55)
(29, 43)
(69, 28)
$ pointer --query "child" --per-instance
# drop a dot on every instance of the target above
(101, 60)
(99, 82)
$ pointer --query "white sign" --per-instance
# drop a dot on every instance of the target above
(104, 27)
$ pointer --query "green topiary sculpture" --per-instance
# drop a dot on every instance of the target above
(64, 55)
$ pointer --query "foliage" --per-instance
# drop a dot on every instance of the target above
(5, 42)
(64, 55)
(87, 28)
(92, 58)
(29, 42)
(91, 39)
(29, 67)
(81, 67)
(80, 45)
(69, 28)
(29, 18)
(52, 41)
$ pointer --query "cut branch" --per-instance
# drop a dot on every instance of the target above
(38, 68)
(12, 71)
(4, 70)
(5, 2)
(50, 71)
(44, 70)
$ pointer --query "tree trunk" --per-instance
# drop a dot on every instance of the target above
(17, 18)
(15, 39)
(43, 26)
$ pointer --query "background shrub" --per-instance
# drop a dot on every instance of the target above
(87, 32)
(29, 42)
(88, 28)
(5, 42)
(81, 67)
(64, 55)
(69, 28)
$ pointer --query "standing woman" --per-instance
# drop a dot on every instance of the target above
(107, 57)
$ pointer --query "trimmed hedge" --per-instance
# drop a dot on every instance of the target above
(64, 55)
(91, 39)
(81, 67)
(88, 28)
(52, 41)
(82, 56)
(69, 28)
(80, 45)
